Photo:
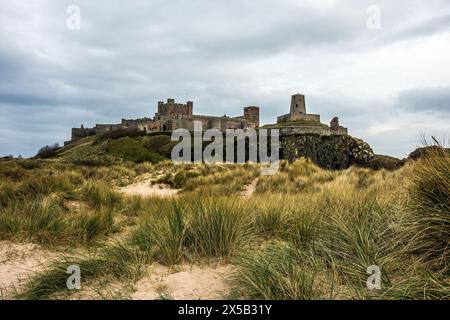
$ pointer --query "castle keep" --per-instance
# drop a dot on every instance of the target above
(171, 116)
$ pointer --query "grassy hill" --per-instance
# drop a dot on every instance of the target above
(98, 150)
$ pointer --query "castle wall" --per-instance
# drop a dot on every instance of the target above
(79, 133)
(305, 117)
(235, 124)
(283, 118)
(323, 131)
(208, 122)
(143, 124)
(298, 117)
(102, 128)
(134, 122)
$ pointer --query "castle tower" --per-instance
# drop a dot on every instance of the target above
(190, 108)
(298, 105)
(252, 115)
(160, 106)
(171, 107)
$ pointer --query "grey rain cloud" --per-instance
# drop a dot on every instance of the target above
(224, 56)
(426, 99)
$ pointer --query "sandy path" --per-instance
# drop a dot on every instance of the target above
(145, 189)
(191, 282)
(19, 260)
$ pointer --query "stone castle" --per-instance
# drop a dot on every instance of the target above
(171, 116)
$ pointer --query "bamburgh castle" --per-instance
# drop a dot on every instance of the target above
(171, 116)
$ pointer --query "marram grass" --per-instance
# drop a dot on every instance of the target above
(305, 233)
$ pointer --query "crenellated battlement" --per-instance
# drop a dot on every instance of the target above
(172, 109)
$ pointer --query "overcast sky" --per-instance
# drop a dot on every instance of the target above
(388, 85)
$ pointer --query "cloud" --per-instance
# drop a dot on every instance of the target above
(425, 28)
(223, 56)
(426, 99)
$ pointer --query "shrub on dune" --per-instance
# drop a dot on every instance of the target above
(429, 226)
(163, 233)
(274, 273)
(100, 194)
(219, 227)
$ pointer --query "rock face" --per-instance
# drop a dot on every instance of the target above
(333, 151)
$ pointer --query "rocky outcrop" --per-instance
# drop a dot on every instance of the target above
(328, 151)
(380, 161)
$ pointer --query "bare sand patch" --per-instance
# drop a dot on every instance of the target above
(146, 189)
(187, 282)
(19, 260)
(76, 205)
(249, 189)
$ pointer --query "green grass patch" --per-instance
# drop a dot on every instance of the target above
(131, 149)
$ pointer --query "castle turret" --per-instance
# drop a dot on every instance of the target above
(190, 107)
(251, 113)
